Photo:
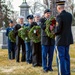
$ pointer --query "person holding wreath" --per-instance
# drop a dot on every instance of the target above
(47, 43)
(11, 45)
(28, 43)
(19, 40)
(34, 35)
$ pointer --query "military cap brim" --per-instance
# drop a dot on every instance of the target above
(60, 3)
(30, 17)
(10, 21)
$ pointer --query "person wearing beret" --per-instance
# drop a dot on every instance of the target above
(28, 44)
(63, 39)
(47, 44)
(19, 40)
(11, 45)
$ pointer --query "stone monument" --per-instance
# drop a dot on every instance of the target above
(3, 38)
(24, 10)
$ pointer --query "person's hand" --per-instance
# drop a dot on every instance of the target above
(20, 28)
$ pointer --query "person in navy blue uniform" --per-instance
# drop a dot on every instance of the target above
(47, 44)
(63, 38)
(28, 44)
(19, 40)
(11, 45)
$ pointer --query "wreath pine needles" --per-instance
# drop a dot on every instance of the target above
(24, 34)
(35, 34)
(49, 22)
(11, 36)
(19, 33)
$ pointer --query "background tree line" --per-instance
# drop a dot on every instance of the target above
(5, 12)
(51, 4)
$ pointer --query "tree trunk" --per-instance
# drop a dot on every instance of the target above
(0, 14)
(53, 7)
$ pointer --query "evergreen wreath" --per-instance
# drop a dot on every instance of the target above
(24, 34)
(19, 33)
(35, 34)
(50, 22)
(12, 36)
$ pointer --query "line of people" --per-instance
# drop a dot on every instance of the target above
(41, 54)
(32, 52)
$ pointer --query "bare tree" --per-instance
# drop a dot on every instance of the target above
(47, 3)
(37, 7)
(70, 6)
(5, 12)
(51, 4)
(1, 13)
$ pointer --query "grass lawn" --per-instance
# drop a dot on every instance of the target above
(10, 67)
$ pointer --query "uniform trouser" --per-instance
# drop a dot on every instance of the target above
(47, 53)
(36, 54)
(18, 52)
(11, 50)
(63, 60)
(28, 52)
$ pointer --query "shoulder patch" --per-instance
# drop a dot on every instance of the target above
(56, 23)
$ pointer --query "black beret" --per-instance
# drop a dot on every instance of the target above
(10, 21)
(47, 10)
(30, 17)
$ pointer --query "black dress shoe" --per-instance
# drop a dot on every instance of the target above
(50, 69)
(39, 64)
(22, 60)
(45, 71)
(34, 65)
(28, 63)
(17, 61)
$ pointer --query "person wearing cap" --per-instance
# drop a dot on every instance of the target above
(36, 52)
(37, 18)
(63, 38)
(30, 19)
(47, 44)
(11, 45)
(19, 40)
(28, 44)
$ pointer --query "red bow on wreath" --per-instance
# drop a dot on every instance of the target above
(52, 25)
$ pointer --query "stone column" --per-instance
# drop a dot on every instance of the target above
(24, 10)
(3, 39)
